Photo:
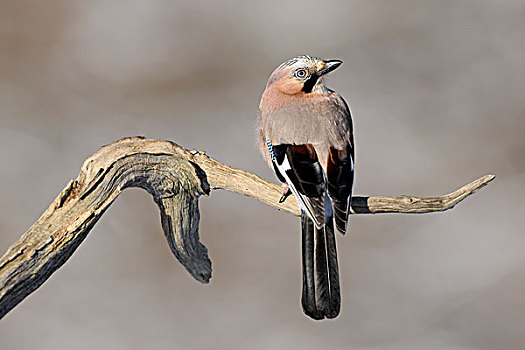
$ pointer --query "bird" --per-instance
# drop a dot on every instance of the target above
(305, 132)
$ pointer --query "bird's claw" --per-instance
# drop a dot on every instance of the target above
(286, 193)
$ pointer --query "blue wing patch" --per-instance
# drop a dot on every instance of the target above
(270, 148)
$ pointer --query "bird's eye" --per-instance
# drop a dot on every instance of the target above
(301, 73)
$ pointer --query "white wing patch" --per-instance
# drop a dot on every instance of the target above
(285, 166)
(301, 201)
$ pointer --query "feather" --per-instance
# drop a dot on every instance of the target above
(321, 296)
(339, 182)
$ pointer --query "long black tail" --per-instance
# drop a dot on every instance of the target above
(321, 292)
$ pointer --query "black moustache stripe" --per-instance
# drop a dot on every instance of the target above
(310, 83)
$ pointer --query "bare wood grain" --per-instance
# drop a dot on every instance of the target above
(176, 178)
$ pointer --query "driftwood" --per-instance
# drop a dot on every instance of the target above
(176, 178)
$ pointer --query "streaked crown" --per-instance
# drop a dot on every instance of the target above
(302, 75)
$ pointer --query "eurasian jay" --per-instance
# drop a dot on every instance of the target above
(305, 132)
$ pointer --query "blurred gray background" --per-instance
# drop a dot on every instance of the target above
(437, 93)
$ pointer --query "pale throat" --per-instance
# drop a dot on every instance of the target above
(320, 88)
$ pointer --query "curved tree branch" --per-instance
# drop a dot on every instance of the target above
(176, 178)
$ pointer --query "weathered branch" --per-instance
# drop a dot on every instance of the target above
(176, 178)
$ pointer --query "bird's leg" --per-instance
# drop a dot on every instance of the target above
(286, 192)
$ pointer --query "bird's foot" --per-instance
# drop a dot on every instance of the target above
(286, 192)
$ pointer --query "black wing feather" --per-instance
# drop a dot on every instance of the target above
(340, 179)
(306, 176)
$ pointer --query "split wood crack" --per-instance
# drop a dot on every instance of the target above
(176, 178)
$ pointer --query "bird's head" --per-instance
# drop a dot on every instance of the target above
(302, 75)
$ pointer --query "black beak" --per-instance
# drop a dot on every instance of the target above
(330, 65)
